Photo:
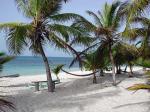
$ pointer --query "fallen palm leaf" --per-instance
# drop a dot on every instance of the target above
(138, 87)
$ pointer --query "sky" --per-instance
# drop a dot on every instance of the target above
(9, 13)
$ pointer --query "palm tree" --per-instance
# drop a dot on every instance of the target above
(93, 62)
(105, 29)
(43, 28)
(138, 8)
(3, 103)
(145, 42)
(56, 70)
(126, 54)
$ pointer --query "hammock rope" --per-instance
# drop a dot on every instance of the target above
(83, 75)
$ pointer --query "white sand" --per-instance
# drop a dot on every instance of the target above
(77, 95)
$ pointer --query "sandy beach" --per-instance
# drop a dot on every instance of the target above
(77, 94)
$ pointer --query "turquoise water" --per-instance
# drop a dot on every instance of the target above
(32, 65)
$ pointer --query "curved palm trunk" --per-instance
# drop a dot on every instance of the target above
(48, 72)
(113, 65)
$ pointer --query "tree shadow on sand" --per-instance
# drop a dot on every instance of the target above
(145, 103)
(75, 94)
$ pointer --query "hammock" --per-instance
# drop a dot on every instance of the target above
(84, 75)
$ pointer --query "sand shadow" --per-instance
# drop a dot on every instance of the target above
(145, 103)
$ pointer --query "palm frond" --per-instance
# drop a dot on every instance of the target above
(23, 6)
(17, 33)
(65, 17)
(143, 20)
(133, 33)
(136, 87)
(138, 8)
(82, 53)
(84, 24)
(96, 18)
(143, 62)
(57, 69)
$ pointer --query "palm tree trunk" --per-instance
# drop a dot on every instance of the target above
(131, 72)
(94, 77)
(144, 68)
(101, 72)
(113, 65)
(125, 70)
(118, 69)
(48, 72)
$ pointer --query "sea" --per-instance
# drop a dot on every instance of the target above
(33, 65)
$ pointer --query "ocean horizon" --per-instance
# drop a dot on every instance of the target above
(33, 65)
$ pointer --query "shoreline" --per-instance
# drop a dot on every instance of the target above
(23, 79)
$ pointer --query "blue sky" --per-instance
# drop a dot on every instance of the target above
(9, 13)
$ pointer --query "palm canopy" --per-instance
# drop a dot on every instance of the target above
(92, 61)
(103, 19)
(127, 53)
(43, 28)
(106, 24)
(139, 8)
(145, 42)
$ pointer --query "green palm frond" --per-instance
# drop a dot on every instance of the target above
(82, 53)
(65, 17)
(17, 34)
(57, 42)
(98, 59)
(133, 33)
(126, 54)
(143, 62)
(73, 35)
(84, 24)
(138, 8)
(56, 70)
(138, 87)
(143, 20)
(96, 18)
(7, 26)
(38, 8)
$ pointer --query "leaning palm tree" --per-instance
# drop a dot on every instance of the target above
(105, 28)
(43, 28)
